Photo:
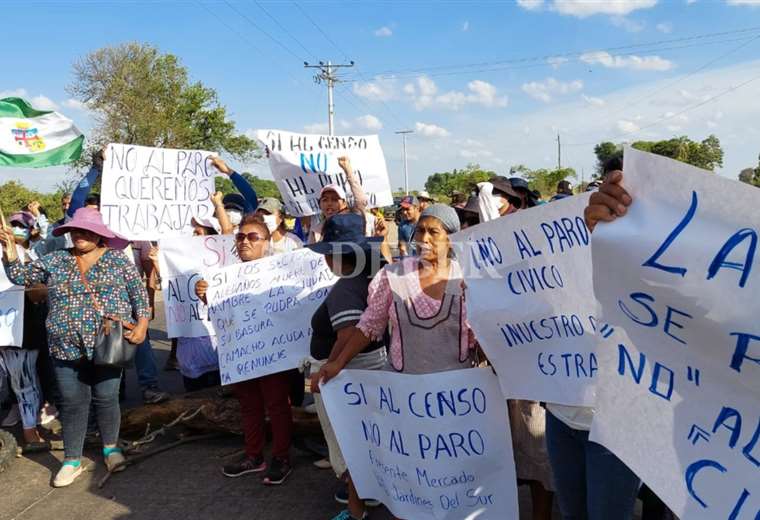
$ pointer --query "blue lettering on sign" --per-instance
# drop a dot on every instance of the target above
(568, 234)
(720, 259)
(524, 245)
(453, 445)
(488, 251)
(534, 279)
(691, 473)
(371, 432)
(386, 398)
(312, 164)
(526, 332)
(573, 364)
(637, 372)
(647, 317)
(740, 353)
(653, 260)
(358, 397)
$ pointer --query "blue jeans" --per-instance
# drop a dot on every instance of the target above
(81, 383)
(591, 482)
(145, 365)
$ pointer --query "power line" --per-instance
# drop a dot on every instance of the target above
(254, 24)
(285, 30)
(324, 34)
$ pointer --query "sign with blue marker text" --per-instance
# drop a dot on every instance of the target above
(531, 303)
(11, 312)
(152, 193)
(182, 262)
(303, 164)
(679, 385)
(261, 312)
(427, 446)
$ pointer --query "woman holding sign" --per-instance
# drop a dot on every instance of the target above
(266, 395)
(91, 280)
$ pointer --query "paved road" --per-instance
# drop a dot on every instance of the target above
(184, 483)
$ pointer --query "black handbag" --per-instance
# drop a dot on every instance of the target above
(111, 348)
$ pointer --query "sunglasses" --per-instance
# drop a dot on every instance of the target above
(252, 237)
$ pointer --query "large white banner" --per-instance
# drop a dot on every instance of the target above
(182, 262)
(151, 193)
(531, 302)
(679, 379)
(261, 312)
(11, 312)
(427, 446)
(303, 164)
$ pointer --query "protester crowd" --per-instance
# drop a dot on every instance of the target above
(383, 313)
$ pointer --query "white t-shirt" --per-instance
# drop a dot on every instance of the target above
(289, 242)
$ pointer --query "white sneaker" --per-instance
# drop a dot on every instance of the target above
(67, 474)
(13, 417)
(113, 459)
(48, 414)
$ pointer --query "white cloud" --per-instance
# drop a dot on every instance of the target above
(665, 27)
(369, 122)
(424, 94)
(381, 89)
(689, 2)
(43, 103)
(475, 154)
(628, 25)
(751, 3)
(585, 8)
(626, 62)
(627, 127)
(316, 128)
(466, 26)
(594, 101)
(75, 104)
(430, 130)
(530, 5)
(384, 32)
(19, 92)
(556, 61)
(545, 90)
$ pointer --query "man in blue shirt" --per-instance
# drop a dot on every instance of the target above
(410, 214)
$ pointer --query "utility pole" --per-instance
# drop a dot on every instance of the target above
(559, 153)
(406, 171)
(327, 73)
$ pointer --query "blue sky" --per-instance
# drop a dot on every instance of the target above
(485, 82)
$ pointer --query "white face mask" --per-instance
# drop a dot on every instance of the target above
(271, 222)
(21, 233)
(235, 217)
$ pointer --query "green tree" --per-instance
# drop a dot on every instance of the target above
(263, 187)
(140, 96)
(751, 175)
(545, 180)
(15, 197)
(464, 181)
(604, 152)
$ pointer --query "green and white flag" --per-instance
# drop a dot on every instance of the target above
(31, 138)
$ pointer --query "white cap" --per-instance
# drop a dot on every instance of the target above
(209, 222)
(333, 187)
(425, 195)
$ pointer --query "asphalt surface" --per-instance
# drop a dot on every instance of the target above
(184, 483)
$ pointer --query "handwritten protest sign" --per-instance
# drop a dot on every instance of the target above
(530, 300)
(427, 446)
(11, 312)
(679, 382)
(182, 262)
(151, 193)
(261, 312)
(303, 164)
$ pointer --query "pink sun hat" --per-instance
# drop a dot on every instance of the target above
(90, 219)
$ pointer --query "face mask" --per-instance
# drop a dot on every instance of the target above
(271, 222)
(21, 233)
(235, 217)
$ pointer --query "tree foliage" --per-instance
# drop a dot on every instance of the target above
(751, 175)
(706, 154)
(464, 181)
(15, 197)
(545, 180)
(140, 96)
(263, 187)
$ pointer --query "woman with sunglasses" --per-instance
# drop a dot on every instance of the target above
(263, 396)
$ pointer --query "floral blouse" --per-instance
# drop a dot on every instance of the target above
(73, 321)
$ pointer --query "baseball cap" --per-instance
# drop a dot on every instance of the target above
(425, 195)
(334, 188)
(409, 201)
(234, 201)
(270, 205)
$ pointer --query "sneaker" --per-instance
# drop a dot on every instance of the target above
(341, 496)
(48, 414)
(245, 466)
(279, 471)
(371, 502)
(154, 396)
(113, 457)
(322, 464)
(346, 515)
(310, 408)
(70, 470)
(13, 417)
